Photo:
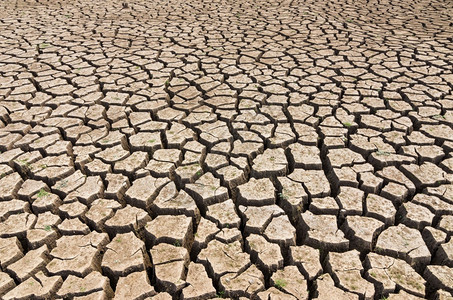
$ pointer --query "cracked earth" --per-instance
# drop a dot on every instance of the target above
(237, 149)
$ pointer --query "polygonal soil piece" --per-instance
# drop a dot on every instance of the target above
(38, 287)
(9, 186)
(229, 235)
(215, 161)
(196, 147)
(247, 150)
(274, 293)
(291, 282)
(7, 157)
(213, 133)
(66, 185)
(240, 163)
(10, 251)
(77, 255)
(191, 157)
(75, 286)
(362, 231)
(31, 187)
(52, 168)
(231, 176)
(345, 176)
(32, 262)
(257, 218)
(178, 135)
(112, 155)
(370, 183)
(126, 219)
(283, 136)
(281, 231)
(43, 202)
(388, 273)
(161, 168)
(392, 174)
(338, 158)
(428, 174)
(350, 201)
(441, 131)
(322, 232)
(144, 190)
(206, 232)
(98, 167)
(256, 192)
(380, 208)
(415, 216)
(223, 214)
(324, 206)
(207, 190)
(431, 153)
(171, 202)
(271, 163)
(267, 256)
(315, 181)
(444, 192)
(220, 258)
(175, 230)
(23, 163)
(305, 157)
(132, 163)
(114, 138)
(91, 189)
(396, 192)
(169, 264)
(245, 283)
(325, 289)
(199, 284)
(124, 255)
(382, 159)
(74, 209)
(185, 174)
(134, 286)
(11, 207)
(170, 114)
(6, 170)
(307, 259)
(346, 270)
(44, 231)
(17, 225)
(73, 226)
(100, 211)
(117, 185)
(293, 196)
(441, 277)
(405, 243)
(145, 141)
(6, 283)
(223, 148)
(434, 204)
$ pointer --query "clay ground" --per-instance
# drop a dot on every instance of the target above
(234, 149)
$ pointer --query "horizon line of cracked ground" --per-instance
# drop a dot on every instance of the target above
(202, 149)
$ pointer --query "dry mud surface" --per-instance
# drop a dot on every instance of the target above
(235, 149)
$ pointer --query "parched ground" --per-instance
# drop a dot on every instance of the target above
(237, 149)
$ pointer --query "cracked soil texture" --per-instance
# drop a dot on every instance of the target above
(170, 149)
